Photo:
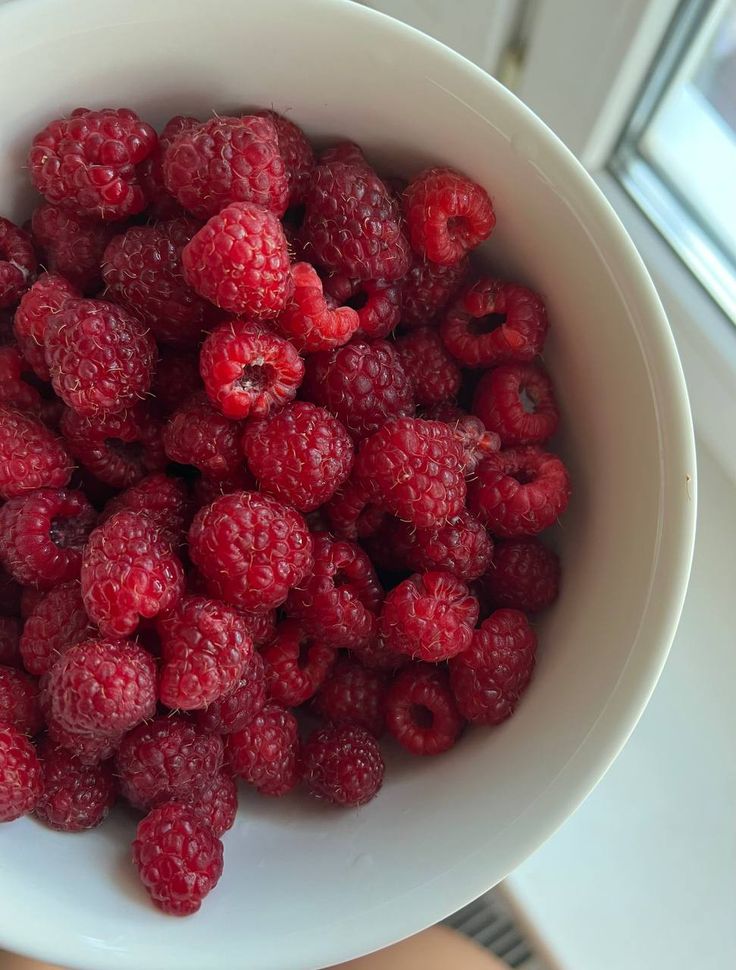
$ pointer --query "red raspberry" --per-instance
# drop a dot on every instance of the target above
(19, 701)
(377, 303)
(129, 572)
(163, 499)
(70, 245)
(248, 371)
(490, 677)
(196, 434)
(429, 289)
(447, 215)
(352, 694)
(168, 757)
(520, 491)
(87, 749)
(205, 647)
(10, 641)
(339, 601)
(118, 449)
(30, 455)
(518, 402)
(261, 626)
(238, 708)
(353, 225)
(296, 664)
(433, 373)
(345, 151)
(265, 753)
(449, 412)
(343, 764)
(75, 797)
(421, 713)
(494, 322)
(162, 205)
(217, 806)
(296, 152)
(301, 454)
(57, 622)
(20, 774)
(224, 161)
(176, 379)
(206, 488)
(29, 600)
(524, 575)
(363, 385)
(251, 548)
(43, 535)
(14, 391)
(375, 654)
(10, 594)
(309, 321)
(476, 441)
(178, 858)
(143, 272)
(87, 162)
(49, 294)
(100, 356)
(350, 513)
(17, 262)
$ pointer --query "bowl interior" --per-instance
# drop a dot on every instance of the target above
(305, 886)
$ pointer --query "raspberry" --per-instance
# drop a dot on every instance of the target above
(493, 323)
(205, 647)
(345, 151)
(17, 262)
(163, 499)
(196, 434)
(248, 371)
(429, 289)
(353, 225)
(309, 321)
(224, 161)
(43, 534)
(490, 677)
(162, 205)
(30, 455)
(234, 710)
(87, 749)
(433, 373)
(19, 701)
(75, 797)
(14, 391)
(301, 454)
(524, 575)
(520, 491)
(87, 162)
(476, 441)
(363, 385)
(518, 402)
(143, 272)
(421, 713)
(206, 489)
(261, 626)
(447, 215)
(353, 694)
(343, 764)
(296, 664)
(375, 654)
(118, 449)
(10, 641)
(296, 152)
(339, 601)
(129, 572)
(377, 303)
(70, 245)
(100, 356)
(265, 753)
(178, 858)
(350, 513)
(20, 774)
(29, 600)
(169, 757)
(217, 806)
(49, 294)
(251, 549)
(10, 594)
(449, 412)
(176, 379)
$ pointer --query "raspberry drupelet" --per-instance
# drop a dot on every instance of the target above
(343, 764)
(421, 713)
(296, 664)
(518, 402)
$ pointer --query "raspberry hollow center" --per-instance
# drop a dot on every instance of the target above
(256, 377)
(422, 716)
(528, 402)
(486, 324)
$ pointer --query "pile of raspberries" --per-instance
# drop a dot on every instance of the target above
(268, 444)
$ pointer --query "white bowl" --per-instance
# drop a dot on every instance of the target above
(305, 886)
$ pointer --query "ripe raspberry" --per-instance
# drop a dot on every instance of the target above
(301, 454)
(524, 575)
(490, 677)
(20, 774)
(100, 356)
(421, 713)
(217, 806)
(375, 654)
(476, 441)
(205, 647)
(224, 161)
(296, 152)
(265, 753)
(87, 162)
(176, 379)
(449, 412)
(353, 225)
(350, 513)
(363, 384)
(377, 303)
(352, 694)
(75, 797)
(343, 764)
(251, 548)
(49, 294)
(15, 392)
(18, 263)
(309, 321)
(19, 701)
(129, 572)
(30, 455)
(339, 601)
(429, 289)
(296, 664)
(178, 858)
(168, 757)
(520, 491)
(87, 749)
(10, 594)
(518, 402)
(43, 535)
(143, 272)
(433, 373)
(196, 434)
(162, 205)
(206, 488)
(163, 499)
(10, 641)
(70, 245)
(494, 323)
(447, 215)
(345, 151)
(261, 626)
(238, 708)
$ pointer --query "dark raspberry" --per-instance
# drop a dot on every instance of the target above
(15, 392)
(49, 294)
(10, 594)
(421, 713)
(163, 499)
(20, 774)
(31, 456)
(75, 797)
(309, 321)
(19, 701)
(238, 708)
(449, 412)
(524, 575)
(197, 434)
(343, 764)
(433, 373)
(88, 749)
(377, 655)
(70, 245)
(18, 263)
(206, 488)
(429, 289)
(296, 152)
(161, 204)
(29, 600)
(217, 805)
(347, 152)
(265, 753)
(518, 402)
(261, 626)
(353, 694)
(175, 380)
(350, 513)
(377, 302)
(10, 641)
(296, 664)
